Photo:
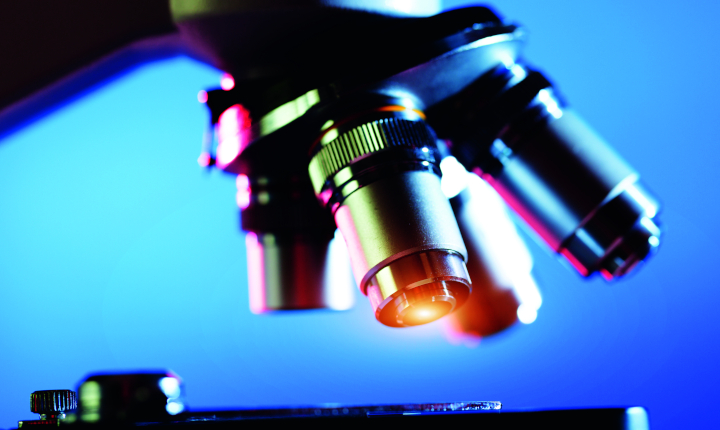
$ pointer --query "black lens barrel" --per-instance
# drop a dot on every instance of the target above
(579, 195)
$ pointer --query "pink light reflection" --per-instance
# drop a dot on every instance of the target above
(256, 273)
(575, 262)
(346, 224)
(373, 293)
(204, 159)
(227, 82)
(520, 208)
(458, 335)
(243, 191)
(202, 96)
(234, 134)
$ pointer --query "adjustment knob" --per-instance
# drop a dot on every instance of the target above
(52, 402)
(51, 405)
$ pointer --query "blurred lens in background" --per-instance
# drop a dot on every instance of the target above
(499, 263)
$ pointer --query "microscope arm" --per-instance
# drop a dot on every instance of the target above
(53, 51)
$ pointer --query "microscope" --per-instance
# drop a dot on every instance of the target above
(393, 137)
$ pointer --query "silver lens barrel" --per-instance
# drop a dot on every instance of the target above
(379, 175)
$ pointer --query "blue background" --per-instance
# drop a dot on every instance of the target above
(117, 252)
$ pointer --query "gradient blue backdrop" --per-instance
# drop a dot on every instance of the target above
(117, 252)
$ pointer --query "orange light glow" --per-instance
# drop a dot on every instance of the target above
(424, 314)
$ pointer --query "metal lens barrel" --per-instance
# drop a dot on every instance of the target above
(290, 238)
(294, 261)
(379, 174)
(579, 195)
(499, 263)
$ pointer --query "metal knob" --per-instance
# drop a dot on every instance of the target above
(51, 405)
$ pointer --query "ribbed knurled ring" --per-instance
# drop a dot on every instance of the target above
(372, 136)
(52, 401)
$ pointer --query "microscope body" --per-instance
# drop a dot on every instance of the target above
(340, 116)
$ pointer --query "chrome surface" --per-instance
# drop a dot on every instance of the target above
(295, 273)
(395, 217)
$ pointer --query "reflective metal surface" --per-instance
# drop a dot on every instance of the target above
(363, 128)
(294, 262)
(402, 235)
(575, 191)
(298, 272)
(583, 199)
(52, 406)
(378, 173)
(419, 288)
(395, 217)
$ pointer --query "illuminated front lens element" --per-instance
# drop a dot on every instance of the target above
(425, 312)
(402, 238)
(419, 288)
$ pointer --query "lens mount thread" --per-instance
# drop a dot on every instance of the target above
(396, 130)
